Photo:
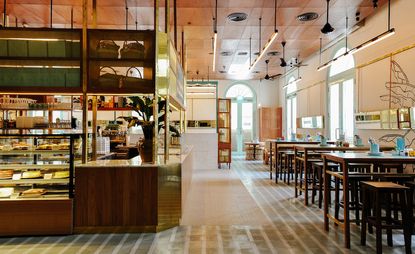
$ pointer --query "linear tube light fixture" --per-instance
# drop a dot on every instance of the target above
(215, 39)
(270, 40)
(362, 46)
(374, 40)
(264, 49)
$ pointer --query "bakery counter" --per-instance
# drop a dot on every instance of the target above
(118, 196)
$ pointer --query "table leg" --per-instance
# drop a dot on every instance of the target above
(254, 152)
(276, 163)
(295, 174)
(305, 178)
(270, 161)
(326, 194)
(346, 206)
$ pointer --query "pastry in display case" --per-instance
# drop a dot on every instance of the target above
(37, 166)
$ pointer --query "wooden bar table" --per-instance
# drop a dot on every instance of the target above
(286, 144)
(302, 153)
(344, 159)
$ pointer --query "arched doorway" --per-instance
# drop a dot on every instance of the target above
(341, 96)
(242, 115)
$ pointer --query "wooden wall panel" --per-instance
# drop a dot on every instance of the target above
(36, 217)
(270, 123)
(116, 197)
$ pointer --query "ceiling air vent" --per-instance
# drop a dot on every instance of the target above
(226, 53)
(308, 16)
(242, 53)
(223, 72)
(237, 16)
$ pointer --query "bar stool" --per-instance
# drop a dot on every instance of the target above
(373, 195)
(287, 163)
(357, 173)
(301, 174)
(318, 180)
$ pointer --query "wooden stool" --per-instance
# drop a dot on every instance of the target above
(376, 192)
(354, 186)
(318, 180)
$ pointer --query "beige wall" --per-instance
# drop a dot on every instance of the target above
(370, 80)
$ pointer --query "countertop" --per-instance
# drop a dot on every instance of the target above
(177, 155)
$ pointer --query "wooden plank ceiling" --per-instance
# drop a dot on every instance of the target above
(195, 18)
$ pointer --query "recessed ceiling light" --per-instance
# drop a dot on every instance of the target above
(237, 16)
(308, 16)
(273, 53)
(226, 53)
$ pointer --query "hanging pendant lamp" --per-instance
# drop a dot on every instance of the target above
(327, 28)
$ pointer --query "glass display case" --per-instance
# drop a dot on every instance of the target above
(37, 166)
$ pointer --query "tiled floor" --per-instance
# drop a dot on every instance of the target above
(236, 211)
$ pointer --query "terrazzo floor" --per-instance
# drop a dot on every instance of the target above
(227, 211)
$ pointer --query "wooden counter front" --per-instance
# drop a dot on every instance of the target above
(116, 199)
(36, 217)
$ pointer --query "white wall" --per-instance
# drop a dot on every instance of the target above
(312, 97)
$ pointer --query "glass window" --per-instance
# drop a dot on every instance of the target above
(239, 91)
(291, 113)
(341, 97)
(334, 110)
(343, 64)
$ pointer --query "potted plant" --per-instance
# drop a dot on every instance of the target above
(144, 106)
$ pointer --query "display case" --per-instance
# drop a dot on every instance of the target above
(224, 132)
(389, 119)
(404, 118)
(121, 62)
(36, 183)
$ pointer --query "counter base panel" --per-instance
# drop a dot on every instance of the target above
(36, 217)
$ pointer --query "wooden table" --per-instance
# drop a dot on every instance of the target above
(344, 159)
(305, 150)
(287, 144)
(254, 146)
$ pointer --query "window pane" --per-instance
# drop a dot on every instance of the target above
(348, 109)
(247, 116)
(294, 115)
(289, 118)
(334, 110)
(343, 64)
(234, 116)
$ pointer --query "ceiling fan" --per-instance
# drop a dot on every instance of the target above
(267, 76)
(283, 62)
(295, 62)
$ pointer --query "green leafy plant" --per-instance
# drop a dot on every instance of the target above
(144, 106)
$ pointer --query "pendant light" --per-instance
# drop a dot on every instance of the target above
(270, 40)
(283, 62)
(215, 35)
(327, 28)
(374, 40)
(267, 75)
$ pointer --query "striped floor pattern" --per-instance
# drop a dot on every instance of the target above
(290, 228)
